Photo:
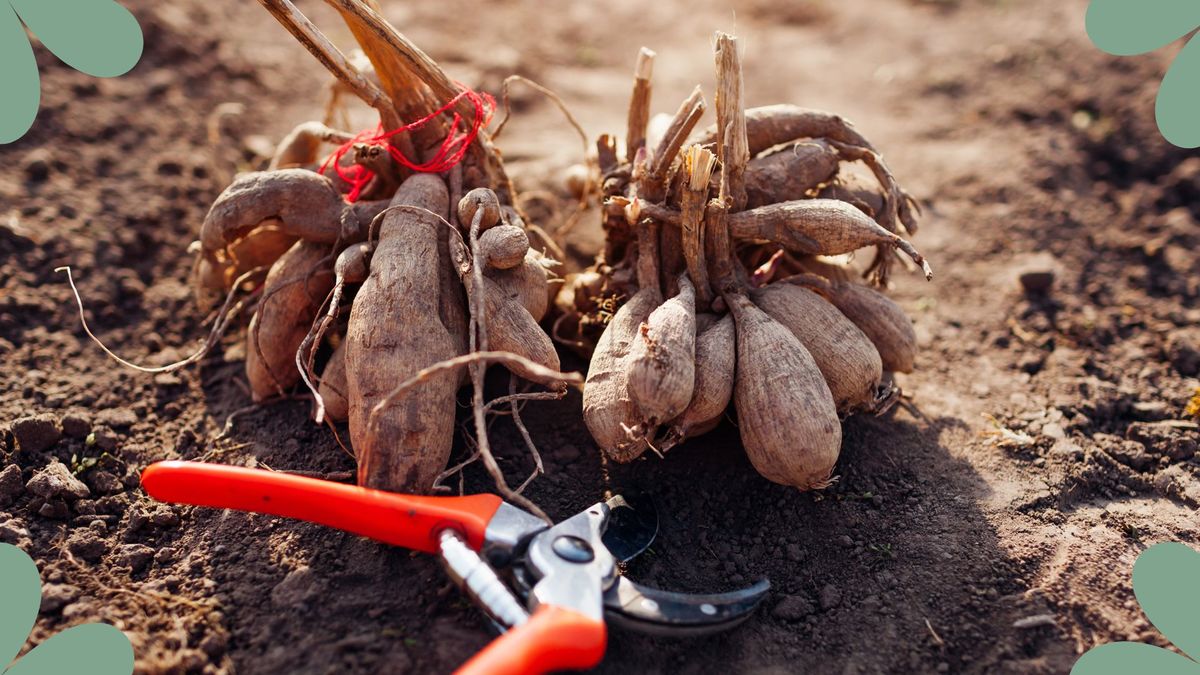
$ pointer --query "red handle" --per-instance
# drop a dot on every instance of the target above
(401, 520)
(553, 639)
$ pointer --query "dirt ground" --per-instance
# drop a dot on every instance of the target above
(944, 547)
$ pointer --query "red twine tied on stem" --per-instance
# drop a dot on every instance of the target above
(451, 152)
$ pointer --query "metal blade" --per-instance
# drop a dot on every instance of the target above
(650, 610)
(632, 526)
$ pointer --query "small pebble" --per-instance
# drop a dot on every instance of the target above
(11, 485)
(56, 596)
(1037, 273)
(56, 481)
(793, 608)
(296, 588)
(135, 556)
(86, 545)
(76, 425)
(55, 509)
(12, 531)
(1035, 621)
(830, 597)
(37, 433)
(37, 165)
(105, 483)
(1054, 431)
(104, 438)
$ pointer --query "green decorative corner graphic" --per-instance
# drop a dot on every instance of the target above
(1164, 581)
(90, 648)
(97, 37)
(1131, 27)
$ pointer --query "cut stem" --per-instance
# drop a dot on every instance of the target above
(653, 186)
(639, 104)
(733, 146)
(698, 167)
(332, 58)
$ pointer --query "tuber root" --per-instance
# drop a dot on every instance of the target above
(513, 329)
(527, 282)
(475, 200)
(818, 227)
(608, 410)
(213, 275)
(306, 204)
(395, 330)
(786, 415)
(772, 125)
(716, 356)
(303, 145)
(295, 288)
(504, 246)
(846, 357)
(791, 173)
(878, 317)
(662, 360)
(333, 387)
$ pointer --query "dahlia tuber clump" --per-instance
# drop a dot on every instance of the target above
(720, 282)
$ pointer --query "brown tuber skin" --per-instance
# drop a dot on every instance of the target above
(853, 190)
(292, 296)
(333, 386)
(818, 227)
(881, 319)
(608, 410)
(306, 204)
(662, 360)
(716, 359)
(846, 357)
(303, 145)
(510, 328)
(791, 173)
(786, 415)
(213, 275)
(395, 330)
(472, 202)
(527, 283)
(772, 125)
(261, 246)
(504, 246)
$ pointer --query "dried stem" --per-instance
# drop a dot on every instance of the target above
(332, 58)
(398, 61)
(407, 86)
(686, 118)
(639, 104)
(733, 146)
(698, 167)
(647, 261)
(606, 153)
(720, 253)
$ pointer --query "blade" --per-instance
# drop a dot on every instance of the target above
(650, 610)
(632, 526)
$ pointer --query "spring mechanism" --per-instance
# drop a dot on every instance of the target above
(479, 581)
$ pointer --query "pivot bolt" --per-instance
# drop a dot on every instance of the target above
(573, 549)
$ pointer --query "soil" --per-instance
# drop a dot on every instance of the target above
(989, 525)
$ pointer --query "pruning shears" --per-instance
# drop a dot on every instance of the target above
(549, 588)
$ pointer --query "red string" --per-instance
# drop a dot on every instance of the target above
(451, 152)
